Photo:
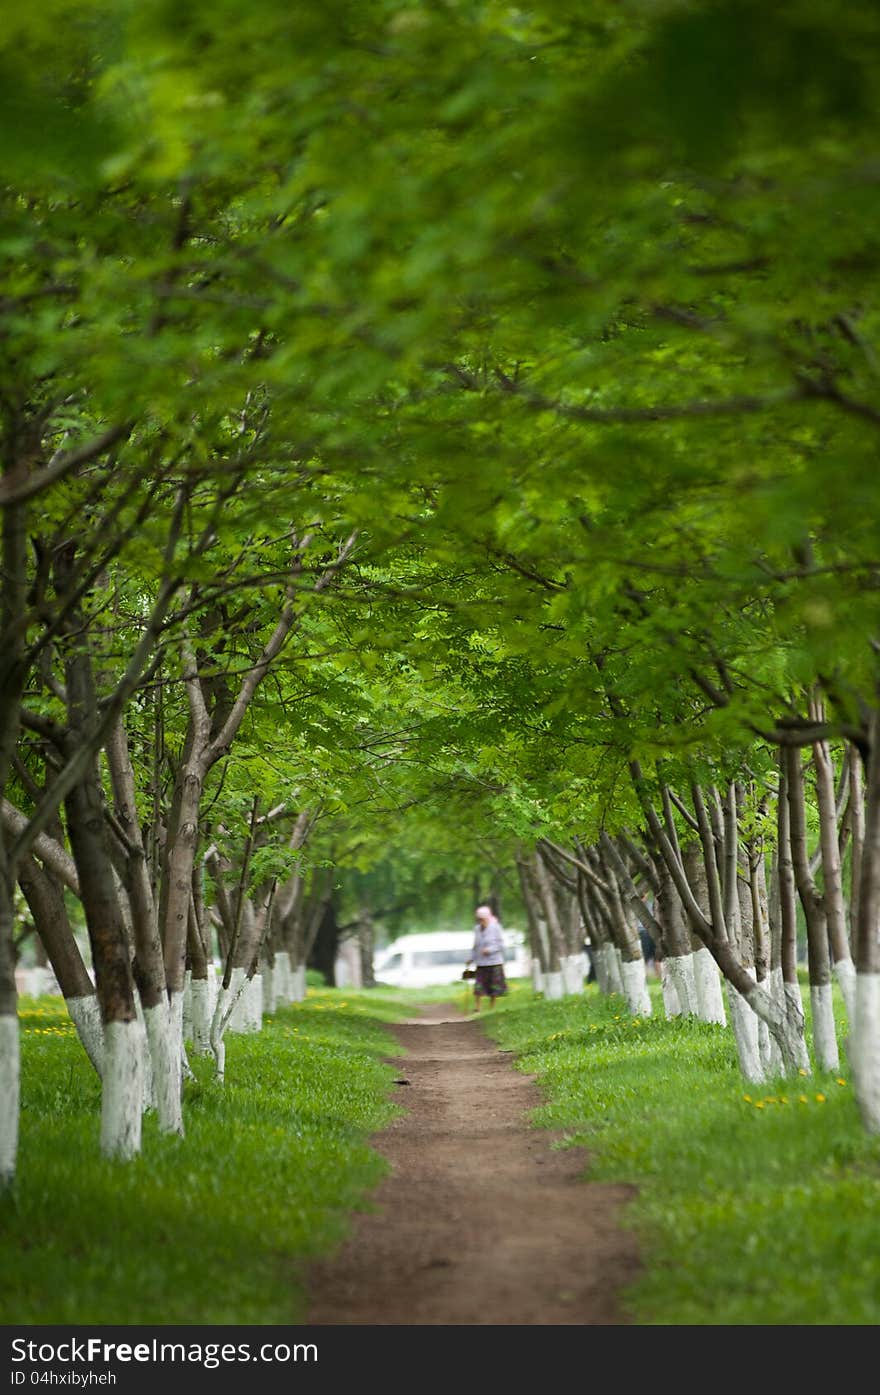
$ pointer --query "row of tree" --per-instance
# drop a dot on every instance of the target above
(447, 432)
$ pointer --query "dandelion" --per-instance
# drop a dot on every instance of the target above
(748, 1099)
(803, 1099)
(840, 1080)
(820, 1099)
(801, 1071)
(759, 1104)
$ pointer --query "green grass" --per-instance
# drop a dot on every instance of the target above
(214, 1228)
(755, 1205)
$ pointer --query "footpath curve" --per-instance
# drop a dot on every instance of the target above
(479, 1221)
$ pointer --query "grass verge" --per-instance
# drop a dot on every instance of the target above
(756, 1205)
(216, 1227)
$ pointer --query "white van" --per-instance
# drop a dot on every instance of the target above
(420, 961)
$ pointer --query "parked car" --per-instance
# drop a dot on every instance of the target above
(437, 957)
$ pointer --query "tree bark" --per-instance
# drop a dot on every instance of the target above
(45, 901)
(864, 1044)
(832, 876)
(553, 983)
(678, 956)
(122, 1077)
(149, 967)
(824, 1031)
(13, 602)
(779, 1020)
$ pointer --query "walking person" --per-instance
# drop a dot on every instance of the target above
(487, 957)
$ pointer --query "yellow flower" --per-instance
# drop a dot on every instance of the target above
(803, 1099)
(801, 1071)
(840, 1081)
(759, 1104)
(783, 1099)
(748, 1099)
(820, 1099)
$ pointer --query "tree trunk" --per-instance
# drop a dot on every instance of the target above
(366, 944)
(626, 937)
(553, 982)
(791, 988)
(531, 903)
(326, 944)
(824, 1031)
(857, 832)
(864, 1046)
(45, 901)
(149, 968)
(606, 957)
(10, 1066)
(832, 877)
(770, 1055)
(710, 1002)
(778, 1020)
(678, 958)
(122, 1076)
(13, 604)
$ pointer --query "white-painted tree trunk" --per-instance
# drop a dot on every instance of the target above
(204, 996)
(864, 1049)
(39, 980)
(553, 984)
(247, 1014)
(707, 980)
(635, 987)
(671, 1004)
(610, 956)
(537, 984)
(85, 1014)
(600, 965)
(147, 1070)
(282, 978)
(254, 993)
(793, 998)
(765, 1041)
(679, 971)
(270, 989)
(230, 1002)
(298, 989)
(175, 1013)
(573, 973)
(165, 1054)
(824, 1031)
(122, 1092)
(771, 1055)
(187, 1026)
(744, 1024)
(10, 1077)
(237, 998)
(845, 973)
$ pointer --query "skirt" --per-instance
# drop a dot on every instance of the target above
(490, 981)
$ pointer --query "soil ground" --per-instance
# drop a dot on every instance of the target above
(480, 1220)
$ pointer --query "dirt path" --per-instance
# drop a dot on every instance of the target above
(479, 1220)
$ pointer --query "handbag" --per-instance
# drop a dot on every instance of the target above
(469, 973)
